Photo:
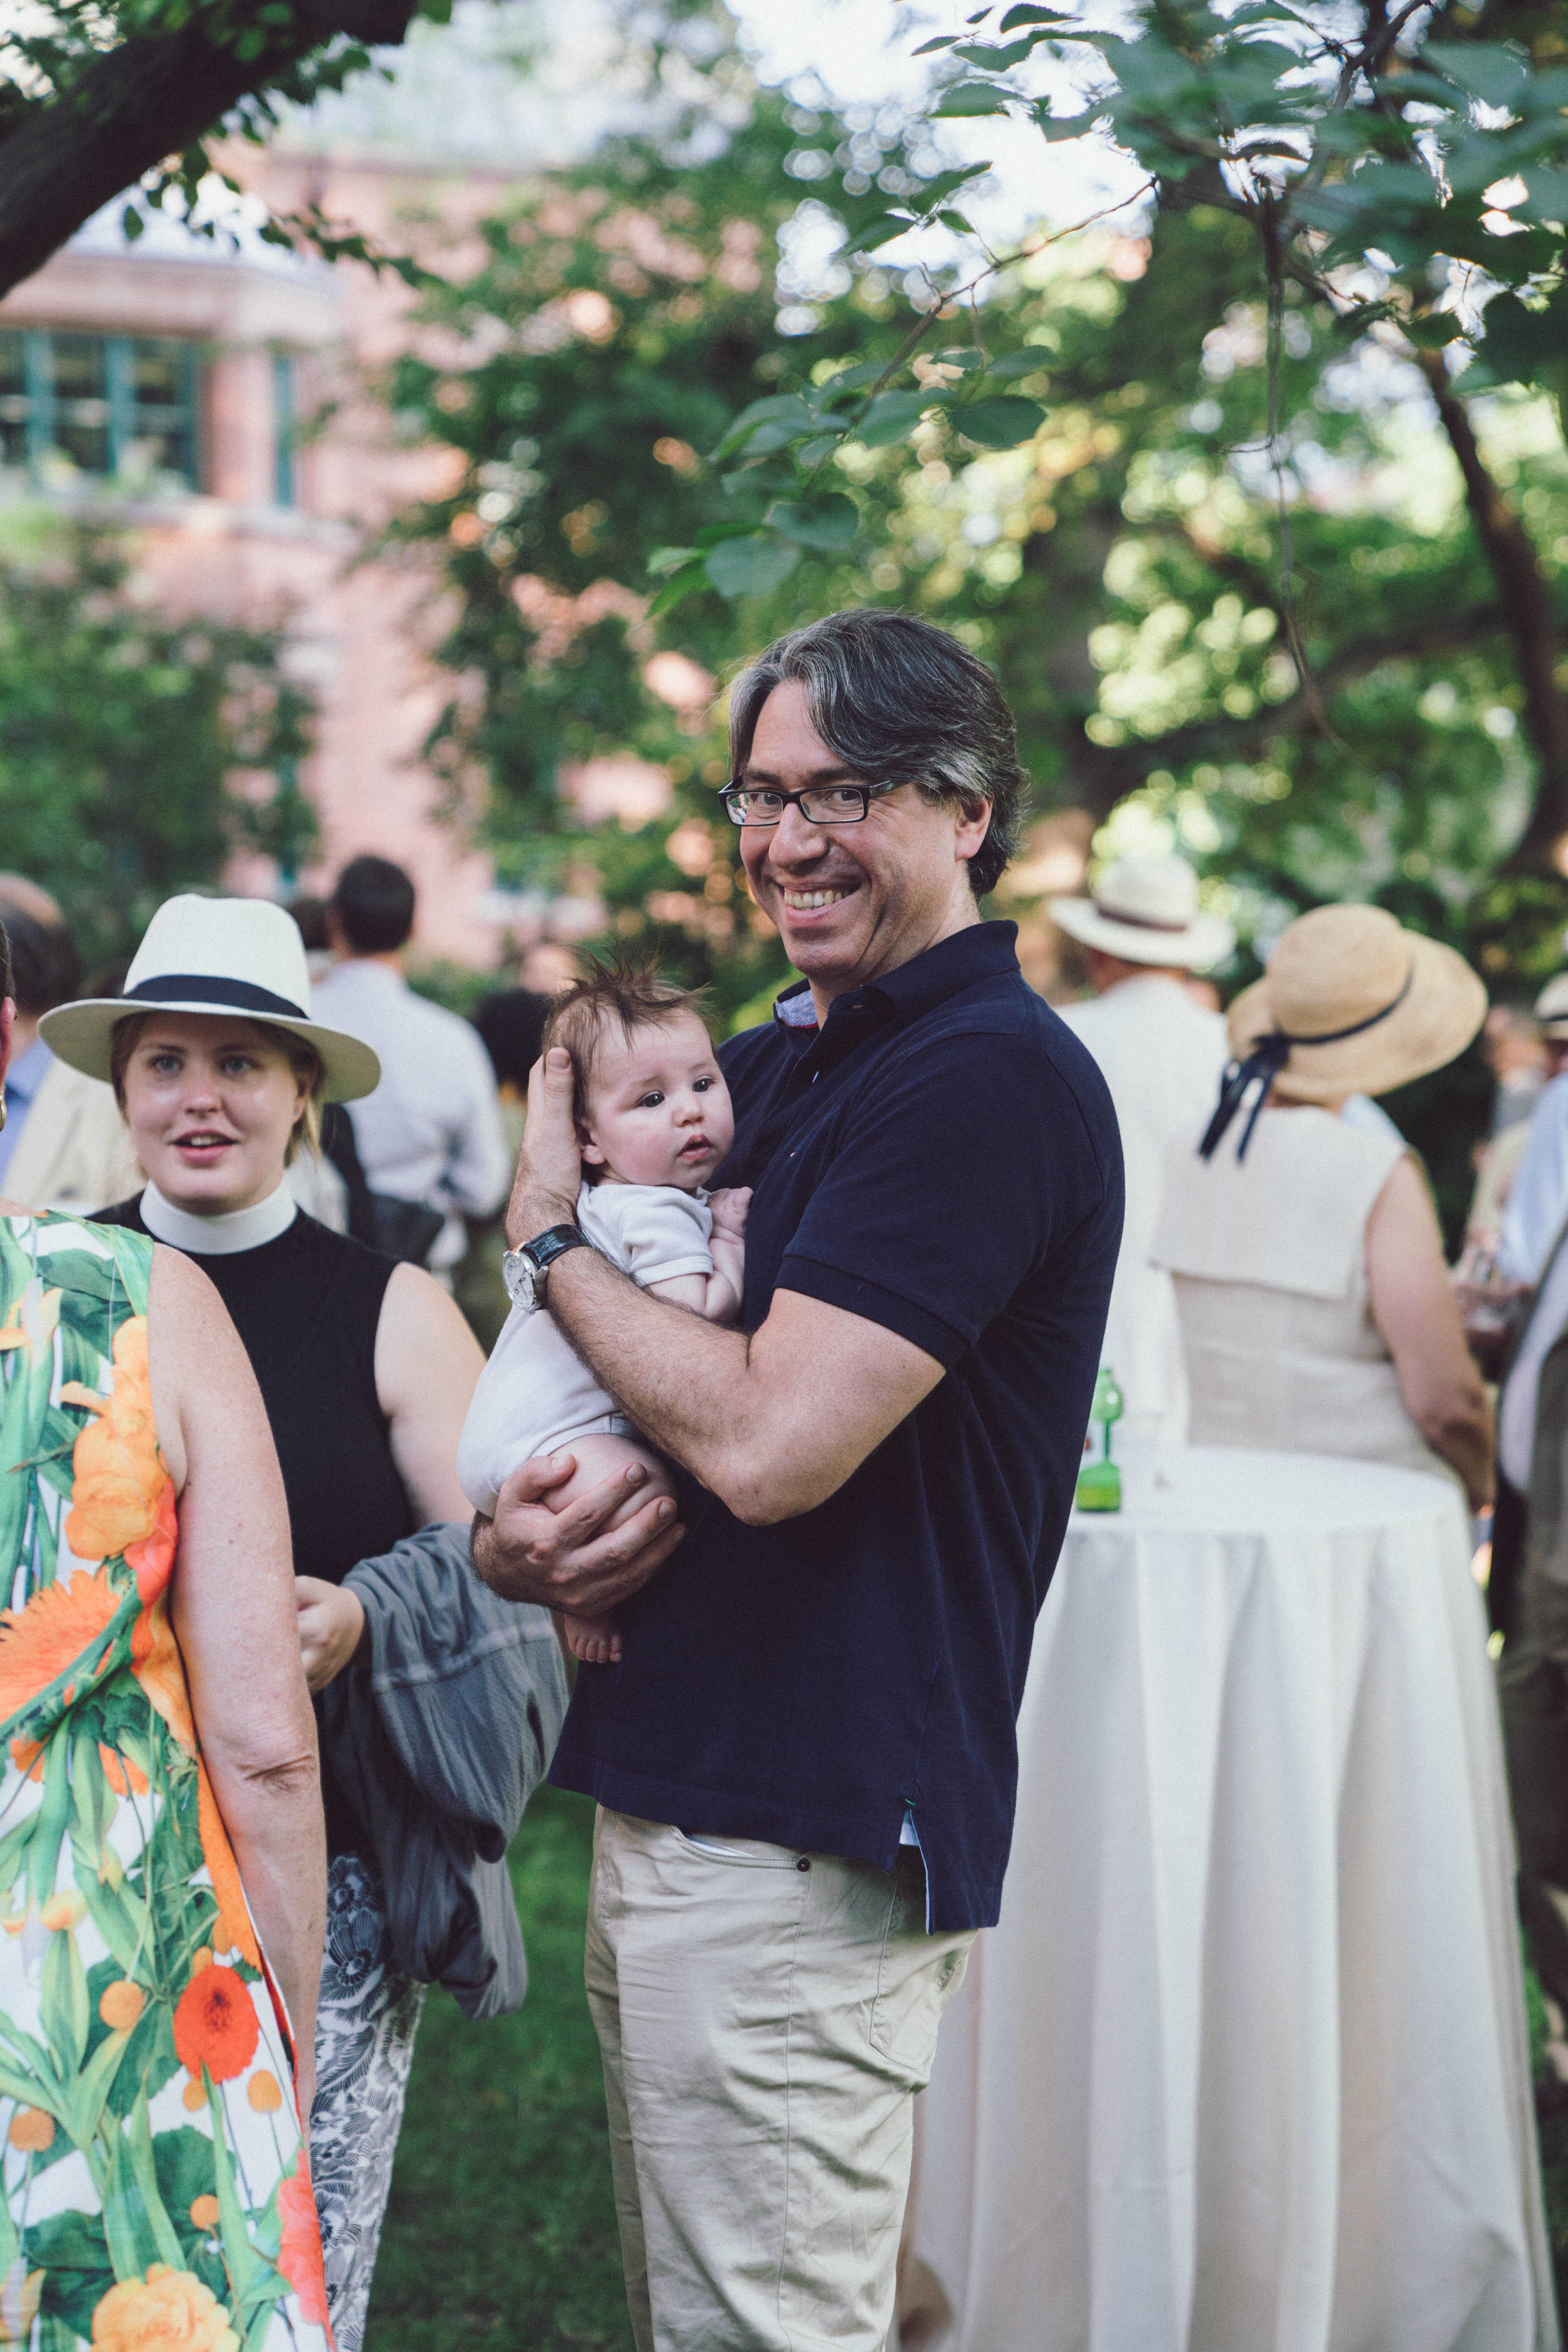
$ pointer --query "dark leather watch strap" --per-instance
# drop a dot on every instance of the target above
(546, 1247)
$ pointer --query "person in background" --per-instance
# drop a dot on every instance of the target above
(64, 1143)
(429, 1138)
(1523, 1049)
(1163, 1055)
(1537, 1204)
(511, 1021)
(549, 968)
(1316, 1311)
(365, 1368)
(330, 1183)
(1521, 1059)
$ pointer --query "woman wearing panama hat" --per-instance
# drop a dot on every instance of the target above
(365, 1367)
(1316, 1311)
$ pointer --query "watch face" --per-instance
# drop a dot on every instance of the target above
(520, 1277)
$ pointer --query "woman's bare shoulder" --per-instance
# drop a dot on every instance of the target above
(198, 1368)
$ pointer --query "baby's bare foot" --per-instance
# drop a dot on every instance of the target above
(597, 1640)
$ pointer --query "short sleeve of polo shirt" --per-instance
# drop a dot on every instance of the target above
(654, 1231)
(962, 1168)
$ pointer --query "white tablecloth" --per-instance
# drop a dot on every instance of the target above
(1244, 2066)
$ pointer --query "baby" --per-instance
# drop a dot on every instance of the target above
(654, 1120)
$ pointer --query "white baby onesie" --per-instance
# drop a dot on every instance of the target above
(536, 1394)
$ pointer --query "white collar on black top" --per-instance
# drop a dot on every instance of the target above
(220, 1236)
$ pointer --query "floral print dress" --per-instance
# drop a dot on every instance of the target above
(157, 2183)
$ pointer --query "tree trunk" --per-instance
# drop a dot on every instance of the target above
(140, 102)
(1527, 615)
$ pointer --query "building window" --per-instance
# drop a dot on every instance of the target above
(283, 483)
(114, 407)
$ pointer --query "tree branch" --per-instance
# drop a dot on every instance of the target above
(1527, 613)
(1101, 775)
(149, 98)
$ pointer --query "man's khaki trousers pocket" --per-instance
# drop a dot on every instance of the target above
(765, 2017)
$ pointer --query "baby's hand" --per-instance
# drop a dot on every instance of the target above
(730, 1209)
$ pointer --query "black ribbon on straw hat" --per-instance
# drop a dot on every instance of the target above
(1263, 1066)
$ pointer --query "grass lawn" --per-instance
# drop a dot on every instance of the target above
(502, 2230)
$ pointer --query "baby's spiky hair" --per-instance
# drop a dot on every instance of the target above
(626, 992)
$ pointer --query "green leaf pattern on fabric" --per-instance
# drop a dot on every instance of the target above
(139, 2198)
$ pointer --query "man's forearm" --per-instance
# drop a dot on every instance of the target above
(685, 1381)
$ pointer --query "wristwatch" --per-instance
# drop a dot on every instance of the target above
(523, 1270)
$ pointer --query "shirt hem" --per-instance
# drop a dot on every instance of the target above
(714, 1812)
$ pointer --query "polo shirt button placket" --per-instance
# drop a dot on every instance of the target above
(803, 1862)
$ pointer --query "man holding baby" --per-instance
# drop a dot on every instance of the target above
(803, 1751)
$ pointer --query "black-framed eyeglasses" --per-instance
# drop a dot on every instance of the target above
(819, 803)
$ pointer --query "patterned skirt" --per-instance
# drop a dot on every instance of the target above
(366, 2024)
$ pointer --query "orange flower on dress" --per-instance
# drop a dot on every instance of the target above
(43, 1641)
(216, 2025)
(120, 1473)
(124, 1776)
(232, 1930)
(32, 2129)
(171, 2311)
(28, 1755)
(121, 2005)
(153, 1557)
(205, 2213)
(156, 1663)
(300, 2253)
(263, 2093)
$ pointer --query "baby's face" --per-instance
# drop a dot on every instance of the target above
(658, 1109)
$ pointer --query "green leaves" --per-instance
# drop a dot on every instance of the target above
(830, 522)
(971, 97)
(751, 565)
(892, 416)
(999, 423)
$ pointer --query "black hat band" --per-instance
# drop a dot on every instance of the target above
(204, 988)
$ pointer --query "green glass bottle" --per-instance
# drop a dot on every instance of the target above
(1099, 1480)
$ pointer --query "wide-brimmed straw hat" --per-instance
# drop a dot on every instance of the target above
(1350, 1003)
(1145, 909)
(217, 956)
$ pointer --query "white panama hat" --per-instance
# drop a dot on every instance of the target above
(1551, 1008)
(1145, 909)
(216, 956)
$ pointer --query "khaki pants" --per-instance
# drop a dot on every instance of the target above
(765, 2018)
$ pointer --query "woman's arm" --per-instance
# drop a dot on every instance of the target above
(1414, 1309)
(233, 1607)
(428, 1363)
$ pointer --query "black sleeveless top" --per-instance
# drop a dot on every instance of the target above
(306, 1306)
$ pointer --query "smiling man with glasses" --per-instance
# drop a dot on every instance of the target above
(805, 1759)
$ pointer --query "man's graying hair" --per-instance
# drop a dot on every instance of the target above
(901, 701)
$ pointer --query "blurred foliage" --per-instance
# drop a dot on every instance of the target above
(160, 78)
(1119, 569)
(137, 754)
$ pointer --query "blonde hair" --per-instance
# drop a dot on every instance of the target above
(307, 1064)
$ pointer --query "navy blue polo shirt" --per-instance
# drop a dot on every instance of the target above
(942, 1159)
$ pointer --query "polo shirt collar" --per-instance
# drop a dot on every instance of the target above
(980, 951)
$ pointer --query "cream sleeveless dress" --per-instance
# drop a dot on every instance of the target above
(1268, 1258)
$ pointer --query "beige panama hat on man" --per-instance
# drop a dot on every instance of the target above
(1350, 1003)
(1145, 909)
(222, 956)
